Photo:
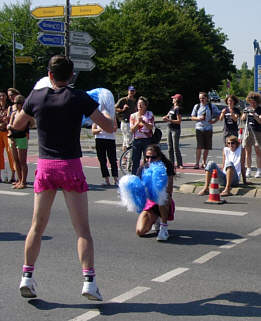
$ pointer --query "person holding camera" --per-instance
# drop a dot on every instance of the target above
(231, 115)
(252, 134)
(173, 118)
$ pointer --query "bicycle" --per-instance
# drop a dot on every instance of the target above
(126, 160)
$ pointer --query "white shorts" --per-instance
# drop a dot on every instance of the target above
(126, 134)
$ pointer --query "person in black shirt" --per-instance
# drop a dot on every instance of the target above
(58, 112)
(231, 115)
(174, 120)
(252, 134)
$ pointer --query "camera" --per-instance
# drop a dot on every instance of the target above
(246, 111)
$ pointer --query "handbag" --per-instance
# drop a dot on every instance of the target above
(156, 137)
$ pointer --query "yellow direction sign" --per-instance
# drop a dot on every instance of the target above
(87, 10)
(23, 60)
(48, 12)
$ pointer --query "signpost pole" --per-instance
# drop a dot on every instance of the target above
(14, 80)
(67, 29)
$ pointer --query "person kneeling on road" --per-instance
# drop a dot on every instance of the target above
(233, 166)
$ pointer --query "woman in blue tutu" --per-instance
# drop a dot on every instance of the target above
(154, 213)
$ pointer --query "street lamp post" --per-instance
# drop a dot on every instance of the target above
(14, 71)
(67, 28)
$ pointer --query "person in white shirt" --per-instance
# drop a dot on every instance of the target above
(232, 168)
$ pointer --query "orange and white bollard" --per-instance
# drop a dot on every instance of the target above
(214, 195)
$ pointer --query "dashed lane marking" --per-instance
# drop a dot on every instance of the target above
(87, 316)
(255, 232)
(169, 275)
(14, 193)
(206, 257)
(232, 243)
(130, 294)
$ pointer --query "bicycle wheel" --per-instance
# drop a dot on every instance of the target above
(126, 161)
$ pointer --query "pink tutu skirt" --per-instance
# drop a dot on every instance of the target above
(150, 205)
(55, 173)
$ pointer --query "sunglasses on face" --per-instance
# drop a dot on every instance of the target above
(151, 157)
(231, 143)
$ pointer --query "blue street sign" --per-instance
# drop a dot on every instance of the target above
(51, 25)
(51, 40)
(257, 74)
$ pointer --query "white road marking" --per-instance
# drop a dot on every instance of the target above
(130, 294)
(196, 174)
(87, 316)
(184, 209)
(91, 166)
(14, 193)
(232, 243)
(255, 232)
(169, 275)
(210, 211)
(206, 257)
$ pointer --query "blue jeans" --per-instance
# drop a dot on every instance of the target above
(221, 176)
(139, 147)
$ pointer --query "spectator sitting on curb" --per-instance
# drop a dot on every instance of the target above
(233, 166)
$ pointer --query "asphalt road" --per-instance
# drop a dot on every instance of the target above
(209, 269)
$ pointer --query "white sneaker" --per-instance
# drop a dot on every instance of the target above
(258, 174)
(91, 291)
(27, 287)
(156, 226)
(163, 234)
(248, 172)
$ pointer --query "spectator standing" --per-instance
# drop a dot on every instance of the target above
(59, 166)
(174, 118)
(4, 119)
(105, 144)
(141, 125)
(205, 114)
(230, 114)
(12, 93)
(252, 135)
(18, 141)
(124, 108)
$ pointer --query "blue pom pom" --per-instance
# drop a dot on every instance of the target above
(132, 193)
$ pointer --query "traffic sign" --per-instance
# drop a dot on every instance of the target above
(19, 46)
(82, 51)
(83, 64)
(81, 38)
(51, 39)
(48, 12)
(87, 10)
(51, 25)
(23, 60)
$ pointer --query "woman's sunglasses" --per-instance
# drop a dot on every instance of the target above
(151, 157)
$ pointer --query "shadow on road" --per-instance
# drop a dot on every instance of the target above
(13, 236)
(239, 304)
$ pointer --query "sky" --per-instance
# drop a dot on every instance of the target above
(239, 20)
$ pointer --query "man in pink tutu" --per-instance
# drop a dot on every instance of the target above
(58, 112)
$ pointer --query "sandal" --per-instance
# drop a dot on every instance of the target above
(224, 194)
(203, 165)
(20, 186)
(203, 192)
(196, 166)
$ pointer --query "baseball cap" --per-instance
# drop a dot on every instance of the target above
(177, 96)
(131, 88)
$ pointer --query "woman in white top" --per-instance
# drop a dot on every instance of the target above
(233, 166)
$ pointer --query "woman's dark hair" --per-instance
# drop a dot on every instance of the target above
(61, 68)
(145, 100)
(254, 96)
(156, 149)
(233, 97)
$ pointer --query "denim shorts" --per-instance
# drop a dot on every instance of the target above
(222, 176)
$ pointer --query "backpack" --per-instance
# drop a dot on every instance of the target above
(156, 137)
(210, 107)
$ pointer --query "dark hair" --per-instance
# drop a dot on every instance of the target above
(233, 97)
(203, 93)
(14, 91)
(19, 99)
(156, 149)
(254, 96)
(61, 68)
(145, 100)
